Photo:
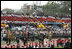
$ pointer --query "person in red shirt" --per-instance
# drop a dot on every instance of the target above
(65, 40)
(61, 42)
(13, 46)
(58, 41)
(22, 46)
(5, 46)
(8, 46)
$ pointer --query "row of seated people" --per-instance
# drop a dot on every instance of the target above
(9, 18)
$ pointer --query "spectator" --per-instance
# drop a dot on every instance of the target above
(52, 46)
(67, 45)
(5, 46)
(13, 46)
(17, 39)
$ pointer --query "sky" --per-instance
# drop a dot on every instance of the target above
(18, 4)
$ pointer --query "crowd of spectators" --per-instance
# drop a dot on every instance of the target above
(49, 43)
(33, 34)
(44, 16)
(21, 37)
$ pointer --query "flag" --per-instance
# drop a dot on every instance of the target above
(30, 30)
(24, 32)
(55, 43)
(27, 29)
(14, 35)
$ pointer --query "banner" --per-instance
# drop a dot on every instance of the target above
(66, 25)
(3, 25)
(52, 23)
(59, 21)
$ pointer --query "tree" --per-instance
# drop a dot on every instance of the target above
(9, 11)
(18, 12)
(65, 7)
(58, 7)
